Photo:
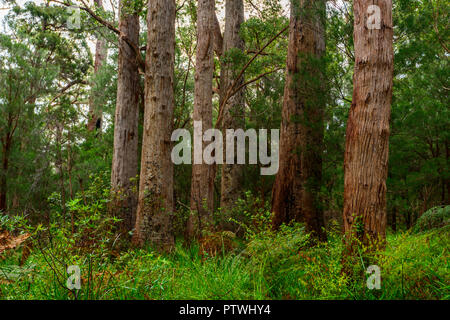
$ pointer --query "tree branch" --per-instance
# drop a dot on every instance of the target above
(254, 80)
(108, 25)
(231, 90)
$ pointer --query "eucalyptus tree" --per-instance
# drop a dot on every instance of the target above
(125, 162)
(233, 113)
(297, 185)
(368, 126)
(95, 105)
(40, 68)
(202, 183)
(155, 205)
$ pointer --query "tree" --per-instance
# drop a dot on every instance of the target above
(155, 206)
(125, 152)
(39, 68)
(95, 110)
(367, 137)
(419, 140)
(233, 111)
(297, 185)
(202, 184)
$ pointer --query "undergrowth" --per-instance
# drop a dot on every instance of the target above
(260, 264)
(270, 266)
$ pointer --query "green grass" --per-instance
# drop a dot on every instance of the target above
(269, 266)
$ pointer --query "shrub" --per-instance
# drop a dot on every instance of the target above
(434, 218)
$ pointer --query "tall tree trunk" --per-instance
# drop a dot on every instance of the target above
(367, 137)
(156, 205)
(125, 153)
(69, 163)
(295, 194)
(60, 166)
(95, 110)
(202, 184)
(394, 219)
(447, 180)
(233, 113)
(6, 148)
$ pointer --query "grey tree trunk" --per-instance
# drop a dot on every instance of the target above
(153, 222)
(95, 108)
(125, 152)
(202, 184)
(233, 112)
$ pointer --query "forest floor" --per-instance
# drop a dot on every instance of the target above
(269, 266)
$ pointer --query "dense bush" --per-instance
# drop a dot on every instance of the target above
(434, 218)
(270, 265)
(257, 264)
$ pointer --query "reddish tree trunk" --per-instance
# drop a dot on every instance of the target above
(6, 146)
(367, 138)
(295, 194)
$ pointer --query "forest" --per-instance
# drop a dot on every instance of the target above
(224, 150)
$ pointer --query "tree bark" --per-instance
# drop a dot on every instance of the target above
(125, 153)
(233, 113)
(367, 137)
(69, 163)
(394, 219)
(218, 38)
(202, 183)
(60, 166)
(95, 110)
(447, 180)
(6, 147)
(156, 205)
(295, 193)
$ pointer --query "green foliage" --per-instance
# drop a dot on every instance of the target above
(250, 215)
(419, 171)
(271, 266)
(434, 218)
(58, 173)
(416, 266)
